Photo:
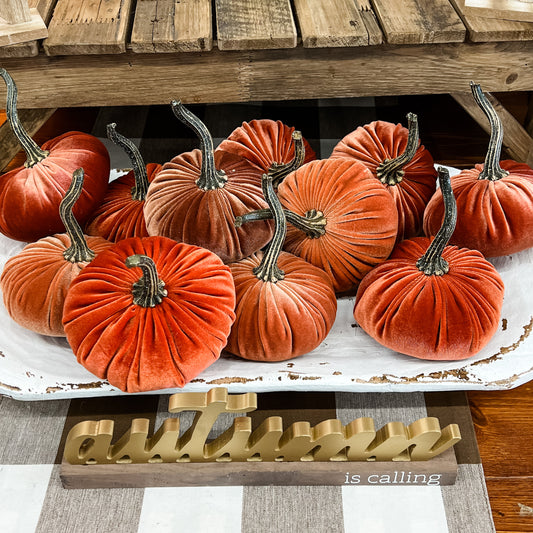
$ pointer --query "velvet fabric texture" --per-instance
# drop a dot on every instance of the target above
(446, 317)
(263, 142)
(30, 197)
(496, 216)
(361, 218)
(119, 216)
(177, 208)
(35, 282)
(379, 141)
(149, 348)
(283, 320)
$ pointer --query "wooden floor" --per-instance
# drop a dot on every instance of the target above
(502, 419)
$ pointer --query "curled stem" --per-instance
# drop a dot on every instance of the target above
(432, 263)
(138, 192)
(149, 290)
(210, 178)
(279, 171)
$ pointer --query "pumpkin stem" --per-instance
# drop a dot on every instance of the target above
(210, 177)
(268, 269)
(78, 251)
(491, 170)
(138, 191)
(391, 172)
(279, 171)
(432, 263)
(34, 154)
(149, 290)
(313, 224)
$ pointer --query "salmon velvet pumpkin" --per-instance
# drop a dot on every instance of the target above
(360, 218)
(150, 313)
(30, 195)
(395, 157)
(432, 301)
(285, 306)
(196, 197)
(121, 213)
(267, 144)
(494, 200)
(35, 282)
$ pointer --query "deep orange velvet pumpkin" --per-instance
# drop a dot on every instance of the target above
(35, 282)
(494, 200)
(121, 213)
(360, 218)
(395, 156)
(196, 197)
(265, 143)
(153, 327)
(30, 195)
(285, 306)
(429, 303)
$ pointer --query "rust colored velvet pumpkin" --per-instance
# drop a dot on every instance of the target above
(150, 313)
(121, 215)
(196, 197)
(267, 144)
(30, 195)
(35, 281)
(432, 301)
(495, 200)
(396, 157)
(285, 306)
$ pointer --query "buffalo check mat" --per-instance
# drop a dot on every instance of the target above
(32, 498)
(32, 434)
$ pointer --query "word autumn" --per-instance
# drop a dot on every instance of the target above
(90, 442)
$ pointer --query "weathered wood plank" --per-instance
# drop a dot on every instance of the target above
(298, 73)
(32, 120)
(375, 35)
(29, 49)
(516, 139)
(503, 9)
(255, 24)
(20, 32)
(329, 23)
(483, 29)
(172, 26)
(419, 21)
(88, 27)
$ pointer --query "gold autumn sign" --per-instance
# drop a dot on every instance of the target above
(90, 442)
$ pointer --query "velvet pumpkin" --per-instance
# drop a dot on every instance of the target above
(285, 306)
(156, 331)
(495, 200)
(395, 157)
(268, 145)
(30, 195)
(196, 197)
(121, 215)
(35, 282)
(429, 300)
(351, 219)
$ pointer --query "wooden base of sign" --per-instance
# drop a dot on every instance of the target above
(441, 470)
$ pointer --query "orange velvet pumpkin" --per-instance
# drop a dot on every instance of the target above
(121, 215)
(285, 306)
(156, 331)
(35, 282)
(495, 200)
(196, 197)
(429, 300)
(268, 145)
(396, 157)
(30, 195)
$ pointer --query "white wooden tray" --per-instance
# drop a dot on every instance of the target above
(34, 367)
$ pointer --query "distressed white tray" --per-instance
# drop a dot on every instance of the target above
(34, 367)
